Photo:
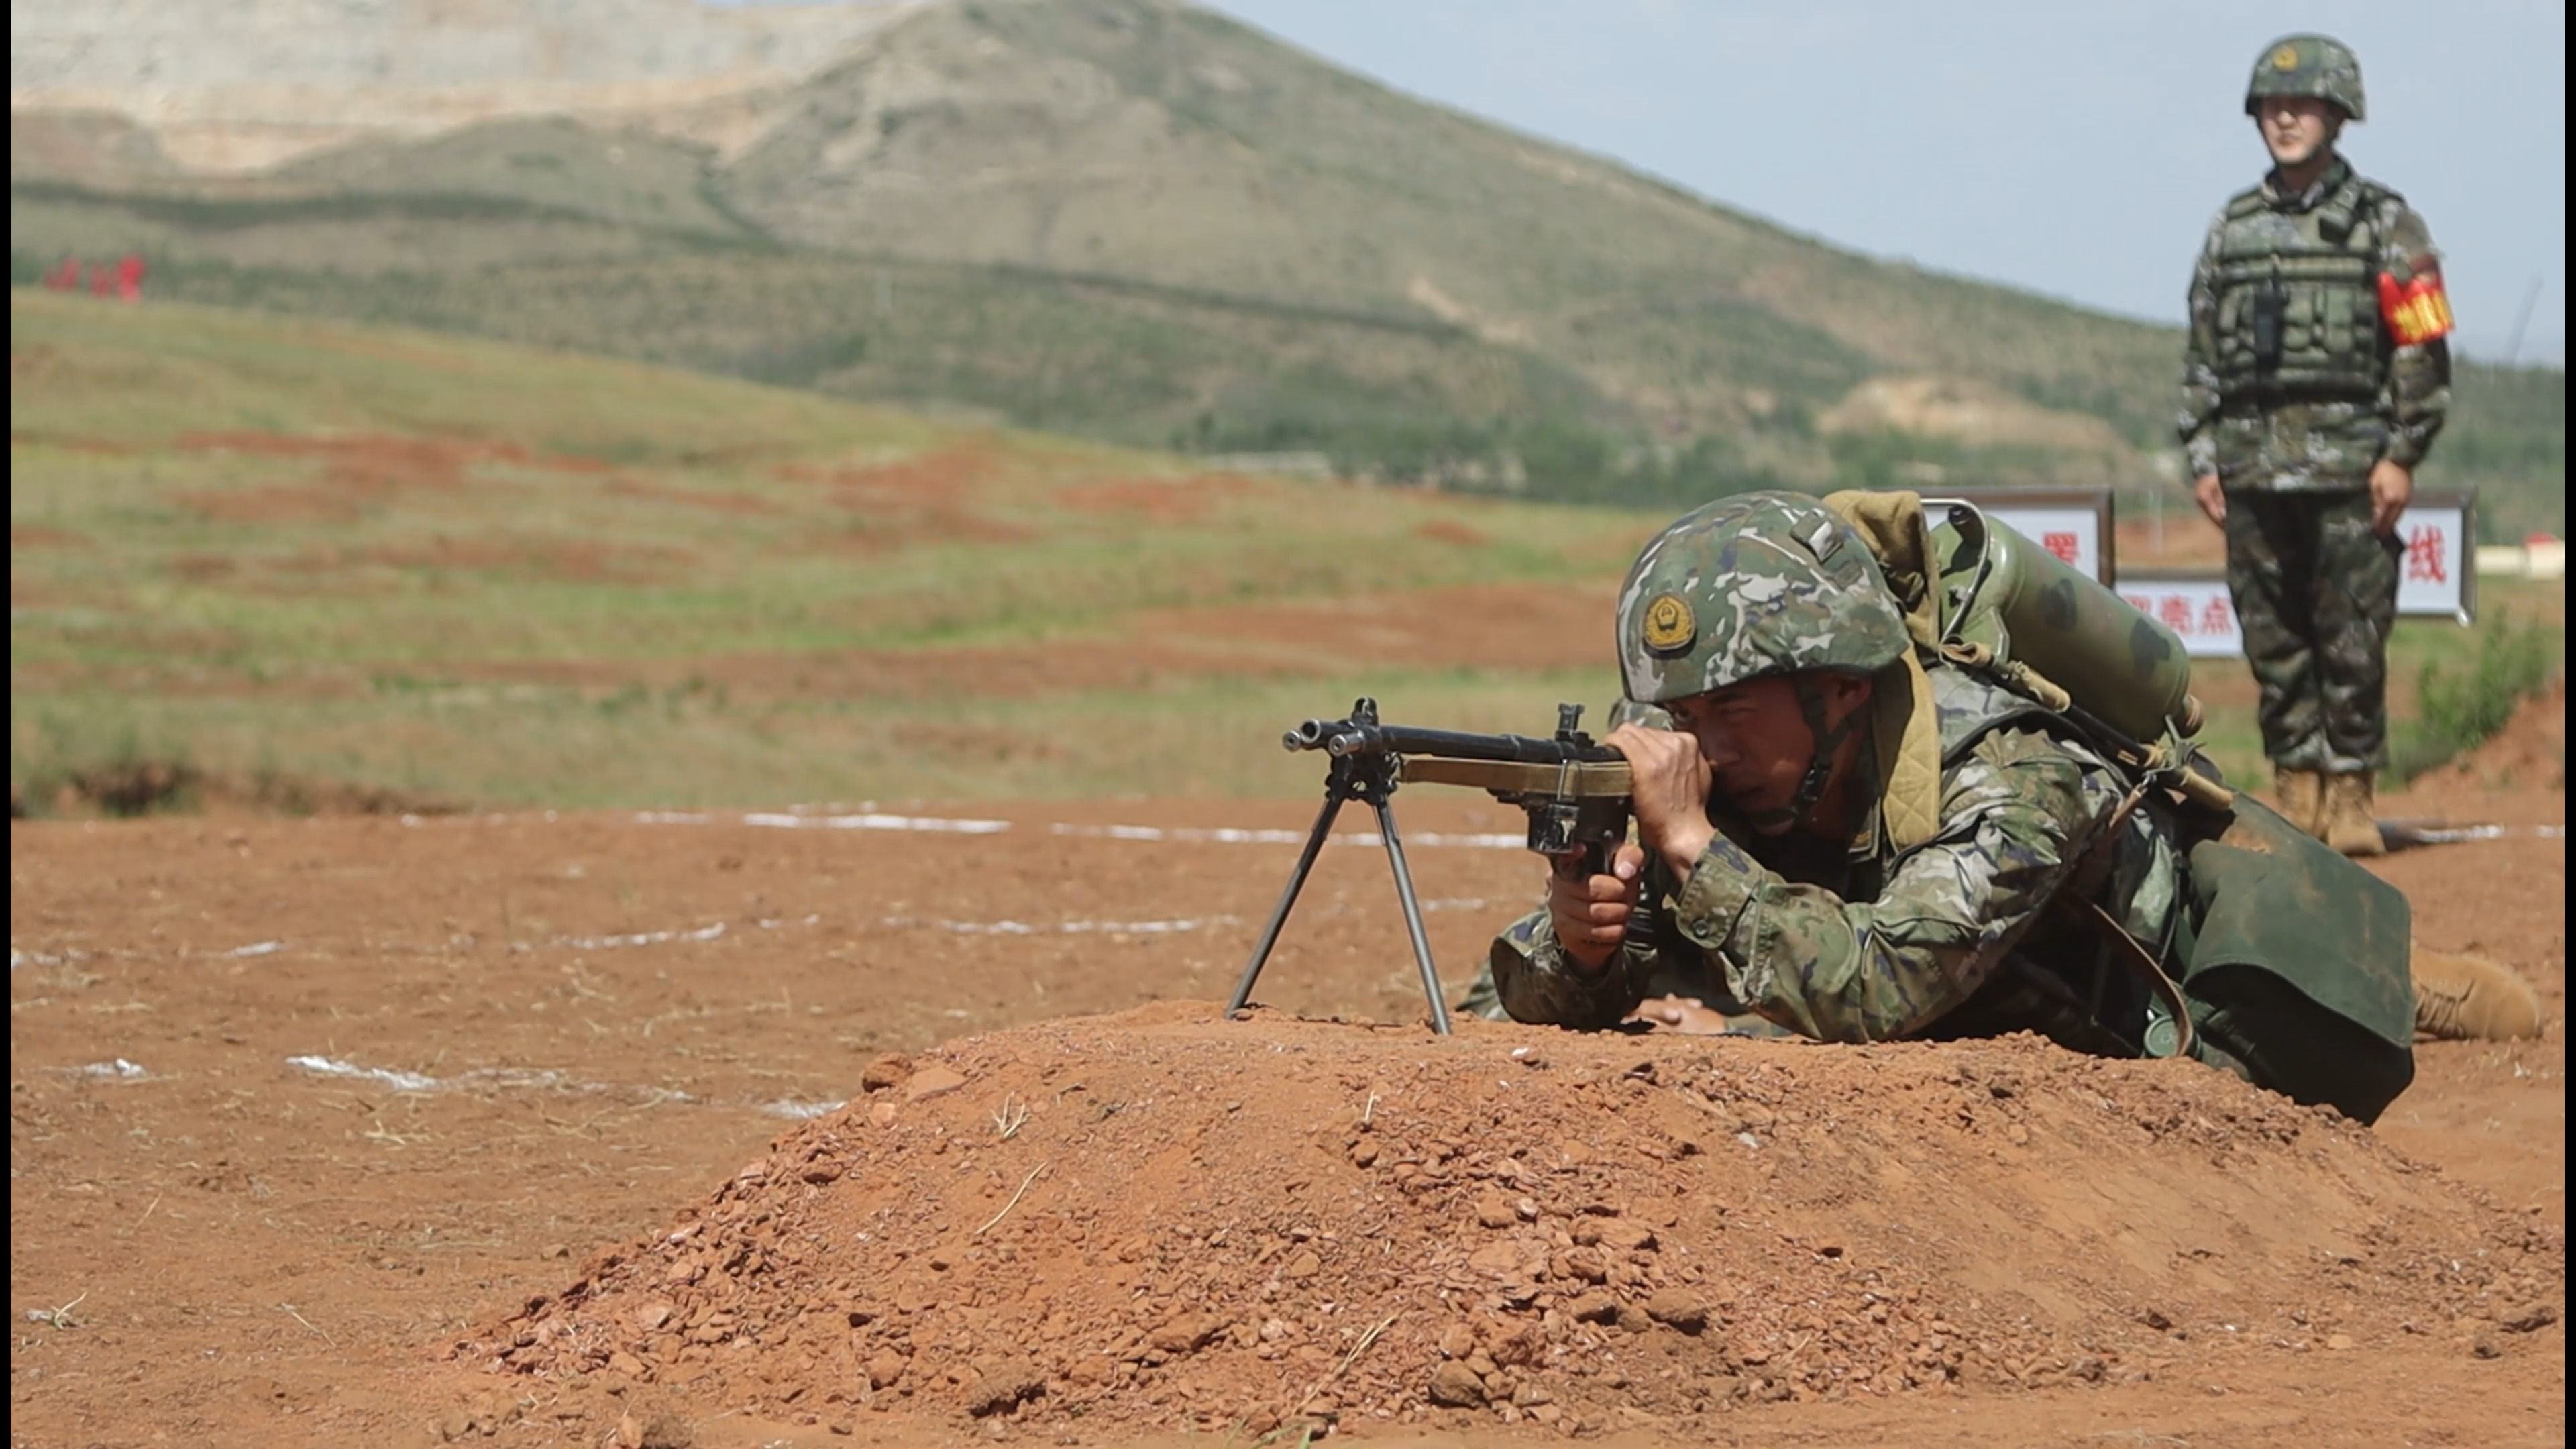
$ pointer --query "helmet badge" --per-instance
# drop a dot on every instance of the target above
(1669, 626)
(2286, 58)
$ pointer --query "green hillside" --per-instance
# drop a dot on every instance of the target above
(310, 561)
(312, 565)
(1149, 224)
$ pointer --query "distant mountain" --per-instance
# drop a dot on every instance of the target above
(1148, 222)
(236, 85)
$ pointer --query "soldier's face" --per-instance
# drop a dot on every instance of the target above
(2296, 128)
(1755, 739)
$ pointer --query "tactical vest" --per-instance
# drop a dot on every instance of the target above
(2298, 298)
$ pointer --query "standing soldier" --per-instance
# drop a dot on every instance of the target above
(2314, 381)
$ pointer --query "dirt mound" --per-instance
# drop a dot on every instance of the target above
(1160, 1219)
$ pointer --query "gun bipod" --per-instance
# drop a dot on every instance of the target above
(1371, 777)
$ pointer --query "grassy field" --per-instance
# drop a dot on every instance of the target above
(310, 563)
(493, 575)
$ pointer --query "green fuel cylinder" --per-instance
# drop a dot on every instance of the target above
(2029, 606)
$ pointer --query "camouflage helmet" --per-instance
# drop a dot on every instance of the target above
(2307, 65)
(1750, 585)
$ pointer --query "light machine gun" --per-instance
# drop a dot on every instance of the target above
(1575, 792)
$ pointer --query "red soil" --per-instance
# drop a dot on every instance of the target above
(1966, 1245)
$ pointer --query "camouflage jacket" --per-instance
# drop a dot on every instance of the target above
(1860, 942)
(2361, 396)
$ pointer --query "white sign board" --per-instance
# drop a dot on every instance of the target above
(2198, 609)
(2073, 534)
(2433, 580)
(2433, 573)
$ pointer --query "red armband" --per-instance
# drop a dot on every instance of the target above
(2416, 311)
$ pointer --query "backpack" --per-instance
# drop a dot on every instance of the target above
(2288, 962)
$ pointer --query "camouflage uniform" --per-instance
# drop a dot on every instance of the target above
(2294, 384)
(1864, 939)
(1858, 941)
(1998, 845)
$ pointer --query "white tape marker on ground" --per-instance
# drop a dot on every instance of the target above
(511, 1078)
(333, 1067)
(877, 822)
(1181, 832)
(947, 825)
(1023, 928)
(1227, 836)
(2408, 833)
(801, 1111)
(640, 938)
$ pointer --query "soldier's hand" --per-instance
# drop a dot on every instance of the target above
(1668, 790)
(1686, 1015)
(2211, 497)
(2392, 487)
(1590, 912)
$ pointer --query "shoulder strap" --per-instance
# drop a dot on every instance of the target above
(1973, 706)
(2377, 194)
(2338, 214)
(2244, 204)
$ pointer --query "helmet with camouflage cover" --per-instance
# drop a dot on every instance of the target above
(2307, 65)
(1751, 585)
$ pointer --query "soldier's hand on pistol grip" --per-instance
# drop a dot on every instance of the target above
(2211, 496)
(2392, 487)
(1590, 913)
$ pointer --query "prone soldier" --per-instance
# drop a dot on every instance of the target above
(1853, 833)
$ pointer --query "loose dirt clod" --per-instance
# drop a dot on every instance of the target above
(660, 1429)
(2528, 1319)
(1679, 1308)
(1003, 1387)
(932, 1082)
(1209, 1255)
(1456, 1386)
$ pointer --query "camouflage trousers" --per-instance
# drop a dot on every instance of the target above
(2315, 592)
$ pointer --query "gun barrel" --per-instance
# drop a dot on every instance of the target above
(1350, 739)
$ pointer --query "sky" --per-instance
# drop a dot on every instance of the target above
(2073, 149)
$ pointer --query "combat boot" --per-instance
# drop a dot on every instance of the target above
(2351, 824)
(2470, 998)
(2302, 794)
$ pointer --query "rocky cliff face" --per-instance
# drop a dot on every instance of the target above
(235, 85)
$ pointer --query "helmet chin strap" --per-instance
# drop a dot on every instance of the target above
(1820, 766)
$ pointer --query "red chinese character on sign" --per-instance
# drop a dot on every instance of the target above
(2215, 620)
(2175, 611)
(2061, 544)
(2424, 561)
(2139, 602)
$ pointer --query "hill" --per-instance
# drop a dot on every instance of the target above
(311, 565)
(308, 565)
(1150, 224)
(234, 85)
